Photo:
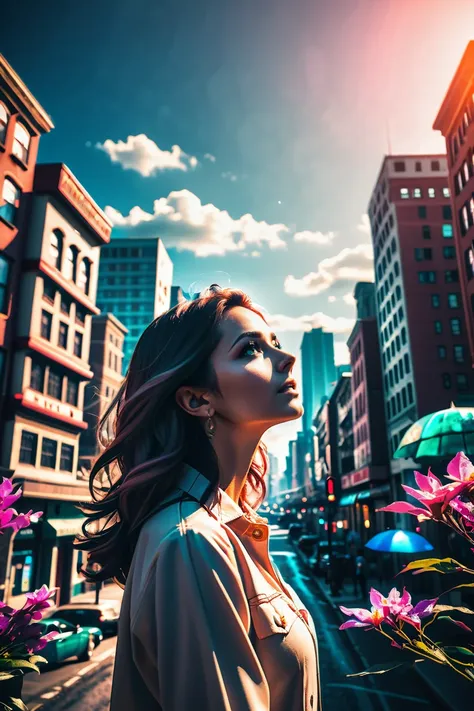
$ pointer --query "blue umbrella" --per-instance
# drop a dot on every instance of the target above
(397, 541)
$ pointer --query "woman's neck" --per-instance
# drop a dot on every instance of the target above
(235, 450)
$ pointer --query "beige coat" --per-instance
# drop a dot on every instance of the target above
(207, 622)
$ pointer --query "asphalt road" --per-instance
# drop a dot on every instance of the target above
(82, 687)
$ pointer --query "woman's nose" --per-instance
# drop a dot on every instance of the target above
(286, 363)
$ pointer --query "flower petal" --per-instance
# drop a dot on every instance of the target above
(353, 623)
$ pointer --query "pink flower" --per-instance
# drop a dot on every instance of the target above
(389, 609)
(40, 595)
(432, 495)
(395, 604)
(422, 609)
(6, 497)
(461, 468)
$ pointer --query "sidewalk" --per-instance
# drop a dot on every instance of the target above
(450, 689)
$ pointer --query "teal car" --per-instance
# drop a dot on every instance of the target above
(72, 641)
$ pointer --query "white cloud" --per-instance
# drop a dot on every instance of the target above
(364, 225)
(320, 238)
(143, 155)
(185, 223)
(332, 299)
(350, 265)
(255, 253)
(339, 324)
(210, 157)
(349, 298)
(341, 353)
(229, 176)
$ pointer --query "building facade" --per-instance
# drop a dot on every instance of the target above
(134, 284)
(421, 325)
(49, 372)
(318, 371)
(455, 120)
(22, 122)
(105, 360)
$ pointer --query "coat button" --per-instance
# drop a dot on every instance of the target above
(311, 701)
(257, 533)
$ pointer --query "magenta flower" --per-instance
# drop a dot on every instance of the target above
(40, 595)
(363, 618)
(390, 609)
(6, 497)
(394, 603)
(461, 469)
(431, 494)
(422, 609)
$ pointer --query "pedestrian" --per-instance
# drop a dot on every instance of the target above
(207, 621)
(361, 572)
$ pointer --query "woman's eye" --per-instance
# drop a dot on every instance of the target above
(254, 346)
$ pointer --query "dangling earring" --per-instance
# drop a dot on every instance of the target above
(210, 427)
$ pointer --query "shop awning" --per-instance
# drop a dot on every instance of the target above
(66, 526)
(350, 499)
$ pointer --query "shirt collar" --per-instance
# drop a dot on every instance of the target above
(219, 502)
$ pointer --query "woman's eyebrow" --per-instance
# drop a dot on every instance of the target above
(251, 334)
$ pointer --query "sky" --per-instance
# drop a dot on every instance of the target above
(247, 135)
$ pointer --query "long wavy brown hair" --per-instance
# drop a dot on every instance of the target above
(146, 439)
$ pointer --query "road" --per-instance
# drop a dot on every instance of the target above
(82, 687)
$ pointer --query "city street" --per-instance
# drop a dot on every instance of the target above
(81, 687)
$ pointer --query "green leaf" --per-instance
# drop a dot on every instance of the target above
(440, 565)
(13, 705)
(6, 675)
(37, 658)
(380, 669)
(434, 653)
(460, 650)
(7, 664)
(445, 608)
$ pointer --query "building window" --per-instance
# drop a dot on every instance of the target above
(469, 262)
(438, 327)
(84, 275)
(49, 292)
(447, 231)
(418, 166)
(435, 165)
(453, 301)
(464, 219)
(446, 192)
(447, 212)
(4, 283)
(459, 355)
(396, 268)
(416, 192)
(399, 166)
(422, 212)
(63, 333)
(431, 193)
(406, 360)
(449, 252)
(72, 392)
(435, 301)
(461, 381)
(423, 254)
(67, 457)
(451, 276)
(455, 326)
(46, 323)
(465, 168)
(78, 344)
(70, 266)
(21, 143)
(404, 335)
(80, 315)
(37, 377)
(48, 453)
(3, 122)
(427, 277)
(404, 193)
(11, 195)
(426, 232)
(446, 378)
(442, 352)
(55, 382)
(56, 248)
(28, 447)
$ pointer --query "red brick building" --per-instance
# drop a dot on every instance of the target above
(22, 122)
(455, 120)
(421, 324)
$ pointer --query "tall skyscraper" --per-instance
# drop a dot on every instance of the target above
(318, 371)
(135, 278)
(421, 324)
(455, 120)
(364, 295)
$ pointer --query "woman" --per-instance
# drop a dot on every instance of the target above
(207, 623)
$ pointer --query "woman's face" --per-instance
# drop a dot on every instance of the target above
(251, 369)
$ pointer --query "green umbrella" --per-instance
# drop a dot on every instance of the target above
(440, 434)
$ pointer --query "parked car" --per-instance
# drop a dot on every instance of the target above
(295, 530)
(72, 641)
(102, 615)
(319, 561)
(307, 543)
(96, 632)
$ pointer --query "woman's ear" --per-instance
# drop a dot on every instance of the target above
(192, 401)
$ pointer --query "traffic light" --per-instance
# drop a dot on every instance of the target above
(330, 489)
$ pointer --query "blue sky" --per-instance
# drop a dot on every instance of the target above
(280, 111)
